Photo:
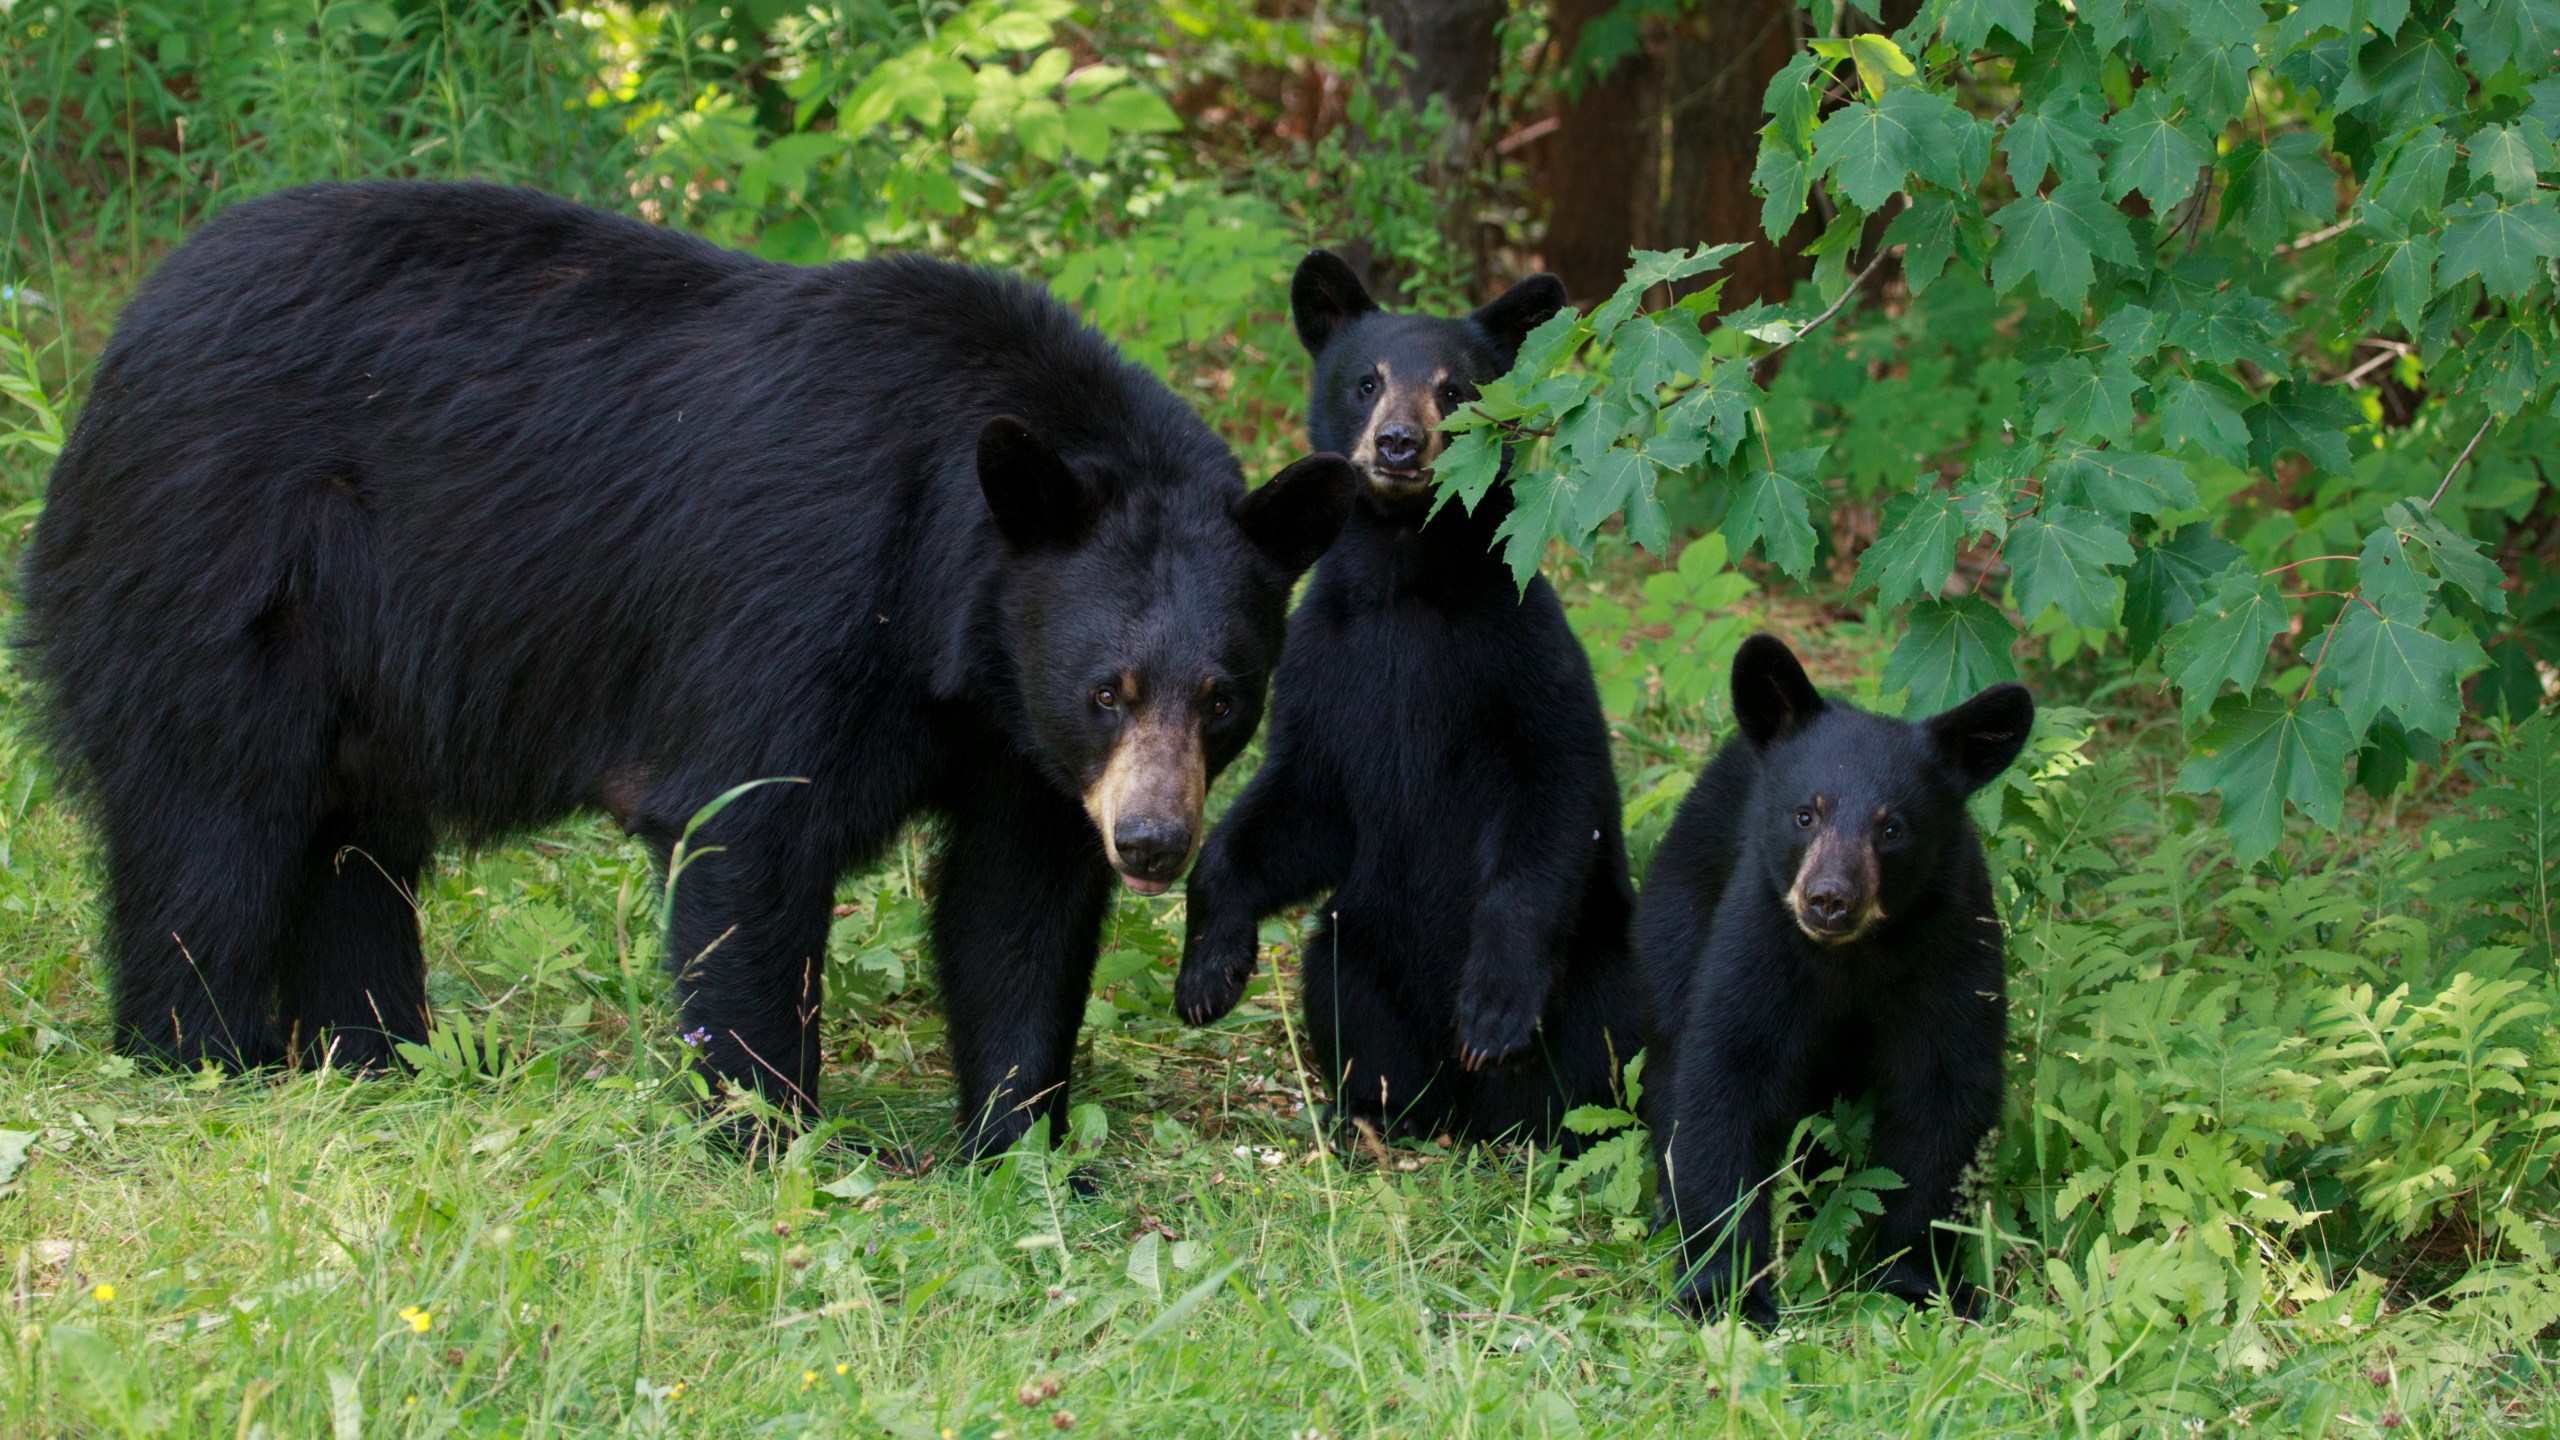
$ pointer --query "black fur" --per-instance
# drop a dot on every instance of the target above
(1437, 760)
(1760, 1023)
(406, 511)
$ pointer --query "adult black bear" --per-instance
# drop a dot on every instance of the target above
(407, 510)
(1437, 759)
(1818, 923)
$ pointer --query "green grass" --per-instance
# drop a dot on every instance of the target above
(2281, 1155)
(560, 1253)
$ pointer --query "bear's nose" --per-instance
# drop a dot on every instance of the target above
(1151, 847)
(1399, 445)
(1827, 904)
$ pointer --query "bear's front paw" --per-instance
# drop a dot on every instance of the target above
(1494, 1028)
(1212, 980)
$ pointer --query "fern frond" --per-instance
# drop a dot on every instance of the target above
(2498, 875)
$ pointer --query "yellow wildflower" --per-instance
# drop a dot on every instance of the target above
(103, 1293)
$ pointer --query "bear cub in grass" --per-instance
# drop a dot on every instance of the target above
(1436, 761)
(1818, 923)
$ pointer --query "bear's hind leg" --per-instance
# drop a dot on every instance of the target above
(1382, 1068)
(352, 983)
(196, 889)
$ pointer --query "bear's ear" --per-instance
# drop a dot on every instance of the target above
(1517, 311)
(1323, 295)
(1036, 499)
(1979, 738)
(1296, 514)
(1771, 695)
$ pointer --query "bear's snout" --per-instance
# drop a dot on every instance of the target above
(1834, 897)
(1146, 803)
(1152, 848)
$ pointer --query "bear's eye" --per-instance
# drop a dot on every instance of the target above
(1451, 397)
(1892, 830)
(1368, 386)
(1220, 707)
(1804, 817)
(1106, 698)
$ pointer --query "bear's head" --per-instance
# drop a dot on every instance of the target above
(1143, 619)
(1384, 381)
(1855, 811)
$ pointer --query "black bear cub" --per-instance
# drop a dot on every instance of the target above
(1818, 923)
(1437, 760)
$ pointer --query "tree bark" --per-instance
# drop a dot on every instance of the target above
(1717, 62)
(1600, 164)
(1454, 46)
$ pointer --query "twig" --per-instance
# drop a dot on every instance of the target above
(2297, 564)
(2357, 595)
(2392, 350)
(1759, 367)
(2457, 462)
(1535, 130)
(2326, 232)
(2314, 677)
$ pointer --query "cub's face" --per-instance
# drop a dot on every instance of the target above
(1143, 619)
(1855, 811)
(1854, 817)
(1384, 382)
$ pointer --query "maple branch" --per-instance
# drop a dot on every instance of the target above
(1759, 367)
(2314, 677)
(2457, 461)
(2391, 350)
(2326, 232)
(2297, 564)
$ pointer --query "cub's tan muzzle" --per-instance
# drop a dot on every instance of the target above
(1834, 898)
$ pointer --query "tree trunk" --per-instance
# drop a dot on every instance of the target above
(1454, 46)
(1717, 63)
(1600, 164)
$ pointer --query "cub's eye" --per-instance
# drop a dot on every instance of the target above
(1368, 386)
(1892, 830)
(1220, 707)
(1804, 817)
(1106, 698)
(1451, 397)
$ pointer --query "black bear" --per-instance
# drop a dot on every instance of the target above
(1818, 923)
(1438, 761)
(403, 511)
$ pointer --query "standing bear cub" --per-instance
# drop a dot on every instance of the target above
(402, 512)
(1818, 923)
(1437, 760)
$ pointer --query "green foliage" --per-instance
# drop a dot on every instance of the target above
(2158, 452)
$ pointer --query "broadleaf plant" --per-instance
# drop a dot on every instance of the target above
(2193, 239)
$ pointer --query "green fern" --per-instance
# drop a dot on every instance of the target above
(2497, 875)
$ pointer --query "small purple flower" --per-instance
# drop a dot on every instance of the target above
(696, 1039)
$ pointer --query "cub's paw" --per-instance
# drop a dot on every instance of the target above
(1494, 1028)
(1212, 980)
(1910, 1280)
(1710, 1300)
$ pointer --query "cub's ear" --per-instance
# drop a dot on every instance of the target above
(1979, 738)
(1517, 311)
(1324, 294)
(1036, 499)
(1296, 514)
(1771, 695)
